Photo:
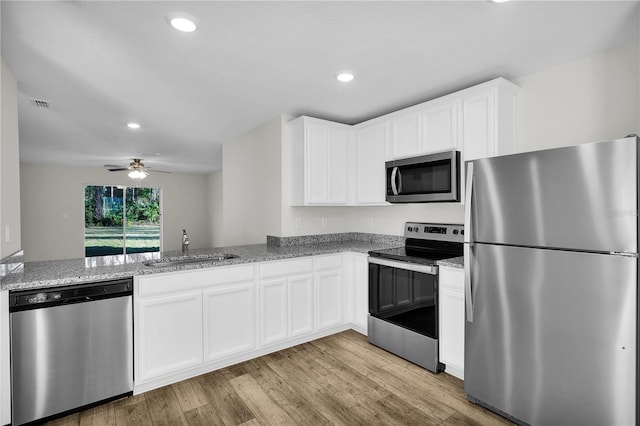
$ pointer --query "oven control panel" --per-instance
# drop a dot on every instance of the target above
(434, 231)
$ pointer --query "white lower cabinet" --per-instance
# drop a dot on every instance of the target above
(5, 374)
(357, 281)
(170, 334)
(185, 320)
(329, 291)
(451, 320)
(286, 300)
(229, 320)
(191, 322)
(300, 309)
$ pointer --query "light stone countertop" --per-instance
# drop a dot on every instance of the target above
(455, 262)
(75, 271)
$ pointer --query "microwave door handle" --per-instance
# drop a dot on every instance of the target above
(394, 173)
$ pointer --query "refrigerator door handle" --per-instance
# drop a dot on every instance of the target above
(467, 204)
(468, 300)
(468, 243)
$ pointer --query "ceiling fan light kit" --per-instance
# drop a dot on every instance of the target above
(137, 174)
(136, 169)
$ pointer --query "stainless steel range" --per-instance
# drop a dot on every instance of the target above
(403, 292)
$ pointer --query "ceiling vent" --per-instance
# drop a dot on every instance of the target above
(40, 103)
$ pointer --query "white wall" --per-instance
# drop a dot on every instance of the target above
(53, 208)
(587, 100)
(9, 164)
(214, 208)
(251, 185)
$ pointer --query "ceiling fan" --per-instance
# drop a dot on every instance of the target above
(136, 168)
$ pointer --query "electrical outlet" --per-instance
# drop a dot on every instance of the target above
(370, 221)
(7, 234)
(323, 222)
(298, 222)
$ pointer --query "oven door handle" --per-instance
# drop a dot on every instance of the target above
(415, 267)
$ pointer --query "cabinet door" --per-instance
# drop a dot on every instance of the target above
(451, 320)
(338, 164)
(478, 126)
(329, 298)
(229, 320)
(371, 146)
(169, 334)
(273, 311)
(361, 293)
(406, 137)
(300, 303)
(317, 163)
(440, 127)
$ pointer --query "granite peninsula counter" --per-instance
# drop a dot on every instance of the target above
(76, 271)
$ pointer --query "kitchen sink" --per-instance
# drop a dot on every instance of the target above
(188, 260)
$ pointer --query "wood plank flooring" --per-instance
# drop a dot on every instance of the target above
(336, 380)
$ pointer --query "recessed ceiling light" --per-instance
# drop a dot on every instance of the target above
(183, 24)
(499, 1)
(133, 125)
(344, 77)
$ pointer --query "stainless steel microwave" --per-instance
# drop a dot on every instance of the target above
(431, 178)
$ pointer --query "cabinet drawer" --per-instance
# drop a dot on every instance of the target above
(173, 282)
(286, 267)
(332, 261)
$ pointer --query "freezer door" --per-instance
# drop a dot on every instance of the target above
(553, 337)
(583, 197)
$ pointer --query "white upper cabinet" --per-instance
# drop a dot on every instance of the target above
(406, 139)
(336, 164)
(371, 149)
(489, 120)
(319, 152)
(440, 126)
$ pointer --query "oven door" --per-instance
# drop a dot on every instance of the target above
(404, 294)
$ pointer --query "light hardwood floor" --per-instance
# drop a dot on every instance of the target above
(340, 379)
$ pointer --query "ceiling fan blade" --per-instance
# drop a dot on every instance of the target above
(156, 171)
(118, 169)
(112, 166)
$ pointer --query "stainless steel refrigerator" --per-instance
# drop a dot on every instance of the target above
(551, 259)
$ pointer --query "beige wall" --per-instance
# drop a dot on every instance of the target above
(10, 235)
(53, 208)
(251, 185)
(587, 100)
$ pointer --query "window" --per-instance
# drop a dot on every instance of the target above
(121, 220)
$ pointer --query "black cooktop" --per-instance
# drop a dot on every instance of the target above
(426, 243)
(409, 254)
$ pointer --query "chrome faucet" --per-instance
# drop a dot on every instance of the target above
(185, 243)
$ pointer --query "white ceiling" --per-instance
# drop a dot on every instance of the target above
(103, 63)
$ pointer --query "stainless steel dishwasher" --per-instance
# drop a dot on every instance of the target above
(71, 347)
